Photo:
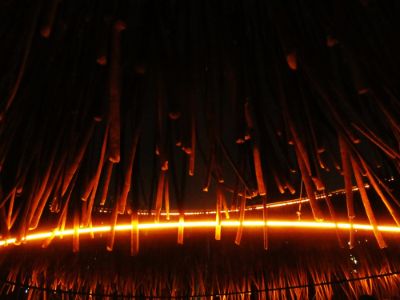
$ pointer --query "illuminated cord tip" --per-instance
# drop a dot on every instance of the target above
(164, 166)
(331, 41)
(187, 150)
(119, 25)
(114, 159)
(240, 141)
(45, 32)
(174, 115)
(102, 60)
(291, 59)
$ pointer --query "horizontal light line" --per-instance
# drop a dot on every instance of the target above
(248, 208)
(201, 224)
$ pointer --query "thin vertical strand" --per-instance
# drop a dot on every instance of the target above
(128, 172)
(348, 186)
(242, 211)
(367, 205)
(115, 94)
(181, 228)
(134, 233)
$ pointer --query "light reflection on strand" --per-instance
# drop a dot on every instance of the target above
(202, 224)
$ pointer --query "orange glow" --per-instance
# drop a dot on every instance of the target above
(305, 225)
(248, 208)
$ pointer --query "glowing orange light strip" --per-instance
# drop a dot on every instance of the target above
(202, 224)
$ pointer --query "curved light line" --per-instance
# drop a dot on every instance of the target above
(200, 224)
(254, 207)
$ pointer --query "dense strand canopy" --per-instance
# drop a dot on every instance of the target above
(122, 106)
(116, 103)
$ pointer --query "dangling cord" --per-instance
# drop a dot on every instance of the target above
(298, 212)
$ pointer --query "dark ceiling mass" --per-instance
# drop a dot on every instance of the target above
(135, 110)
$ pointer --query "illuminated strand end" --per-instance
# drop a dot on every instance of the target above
(166, 199)
(111, 237)
(91, 232)
(210, 167)
(49, 16)
(62, 222)
(181, 226)
(346, 166)
(108, 172)
(331, 41)
(134, 234)
(47, 241)
(74, 165)
(218, 232)
(192, 155)
(89, 188)
(225, 206)
(101, 60)
(379, 191)
(218, 214)
(242, 210)
(367, 205)
(291, 60)
(128, 173)
(308, 183)
(75, 238)
(265, 224)
(351, 234)
(159, 195)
